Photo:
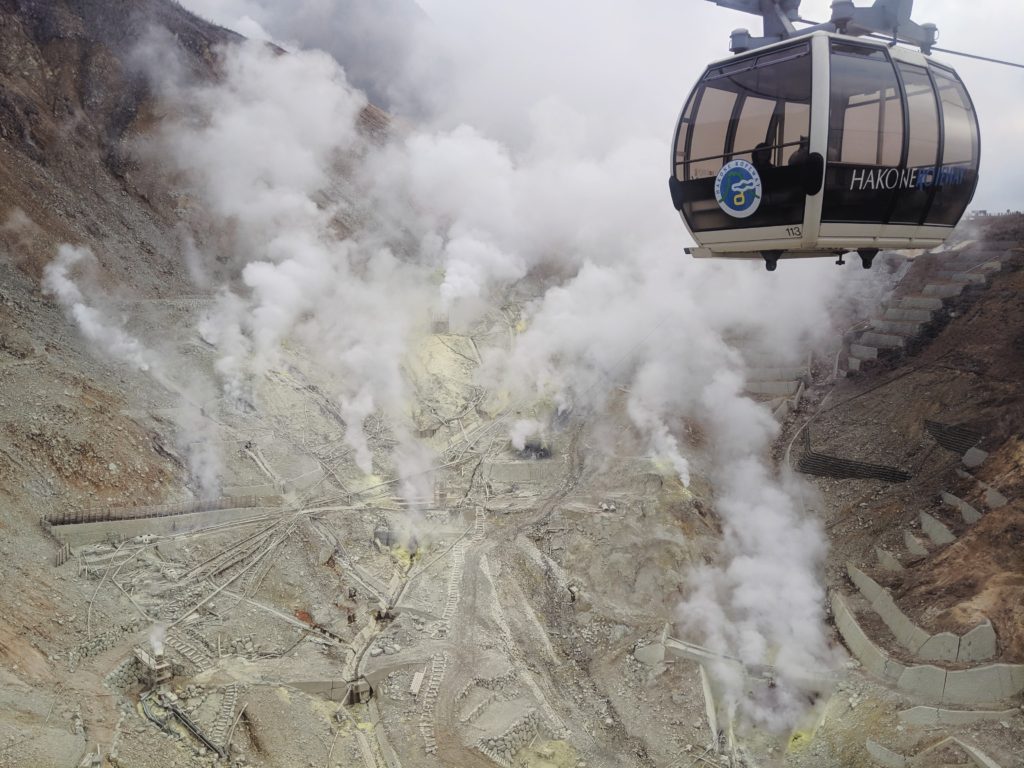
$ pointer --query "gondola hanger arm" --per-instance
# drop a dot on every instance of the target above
(887, 17)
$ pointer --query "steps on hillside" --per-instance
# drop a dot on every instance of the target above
(902, 314)
(899, 327)
(919, 301)
(976, 277)
(935, 530)
(932, 281)
(944, 289)
(880, 340)
(779, 383)
(773, 388)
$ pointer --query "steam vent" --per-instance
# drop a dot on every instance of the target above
(361, 406)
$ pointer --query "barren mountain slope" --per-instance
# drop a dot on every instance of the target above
(514, 610)
(970, 376)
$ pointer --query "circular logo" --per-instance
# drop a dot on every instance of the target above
(738, 189)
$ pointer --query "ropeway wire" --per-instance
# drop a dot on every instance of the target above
(989, 59)
(980, 58)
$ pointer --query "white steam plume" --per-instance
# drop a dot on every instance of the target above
(765, 601)
(196, 433)
(105, 332)
(659, 335)
(522, 430)
(553, 180)
(263, 150)
(157, 636)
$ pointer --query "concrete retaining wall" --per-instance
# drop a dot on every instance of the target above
(874, 659)
(887, 560)
(978, 644)
(969, 514)
(935, 716)
(936, 531)
(979, 685)
(333, 690)
(80, 534)
(884, 756)
(260, 489)
(103, 514)
(525, 471)
(993, 499)
(289, 485)
(503, 748)
(914, 545)
(303, 481)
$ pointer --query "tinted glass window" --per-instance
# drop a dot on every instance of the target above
(955, 181)
(923, 147)
(960, 137)
(865, 110)
(753, 104)
(755, 109)
(795, 128)
(914, 199)
(865, 137)
(709, 130)
(752, 129)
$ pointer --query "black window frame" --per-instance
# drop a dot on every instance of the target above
(840, 204)
(931, 204)
(752, 61)
(784, 197)
(972, 167)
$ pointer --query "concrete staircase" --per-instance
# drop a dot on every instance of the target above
(922, 302)
(779, 383)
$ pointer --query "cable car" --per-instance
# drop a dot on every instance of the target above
(823, 143)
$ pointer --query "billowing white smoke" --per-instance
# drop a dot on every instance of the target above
(764, 602)
(105, 332)
(658, 335)
(522, 430)
(157, 636)
(372, 39)
(262, 151)
(196, 432)
(566, 200)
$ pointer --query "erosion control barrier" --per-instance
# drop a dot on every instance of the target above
(812, 463)
(934, 716)
(978, 644)
(295, 484)
(985, 684)
(96, 528)
(105, 514)
(524, 471)
(953, 437)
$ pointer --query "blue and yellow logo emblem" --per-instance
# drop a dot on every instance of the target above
(738, 189)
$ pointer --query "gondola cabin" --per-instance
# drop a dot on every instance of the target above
(824, 144)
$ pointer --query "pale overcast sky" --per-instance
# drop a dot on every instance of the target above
(627, 65)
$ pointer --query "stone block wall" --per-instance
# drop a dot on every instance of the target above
(976, 685)
(503, 748)
(978, 644)
(124, 675)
